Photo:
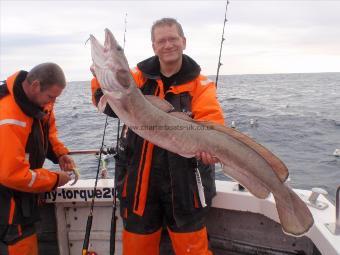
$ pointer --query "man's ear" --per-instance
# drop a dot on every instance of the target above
(36, 86)
(184, 42)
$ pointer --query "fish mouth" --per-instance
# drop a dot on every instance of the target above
(123, 77)
(110, 42)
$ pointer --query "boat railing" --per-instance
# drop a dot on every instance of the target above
(334, 228)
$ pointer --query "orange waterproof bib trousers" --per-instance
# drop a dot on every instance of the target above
(142, 234)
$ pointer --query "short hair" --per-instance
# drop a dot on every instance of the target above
(48, 74)
(166, 22)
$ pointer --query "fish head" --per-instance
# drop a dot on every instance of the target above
(110, 65)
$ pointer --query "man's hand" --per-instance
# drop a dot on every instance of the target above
(66, 163)
(63, 178)
(206, 158)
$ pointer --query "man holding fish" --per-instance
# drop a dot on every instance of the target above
(158, 187)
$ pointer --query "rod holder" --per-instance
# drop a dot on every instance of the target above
(239, 187)
(313, 198)
(334, 228)
(313, 201)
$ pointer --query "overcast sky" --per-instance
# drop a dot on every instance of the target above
(261, 36)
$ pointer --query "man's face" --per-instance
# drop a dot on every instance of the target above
(168, 45)
(46, 96)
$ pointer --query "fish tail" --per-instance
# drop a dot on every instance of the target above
(295, 217)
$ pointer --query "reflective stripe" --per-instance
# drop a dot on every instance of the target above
(200, 188)
(34, 176)
(12, 121)
(27, 156)
(11, 211)
(143, 179)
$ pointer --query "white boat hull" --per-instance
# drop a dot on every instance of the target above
(238, 223)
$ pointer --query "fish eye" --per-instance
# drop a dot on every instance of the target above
(119, 48)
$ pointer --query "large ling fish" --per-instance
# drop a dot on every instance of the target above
(242, 158)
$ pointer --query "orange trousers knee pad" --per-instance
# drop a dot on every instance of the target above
(195, 243)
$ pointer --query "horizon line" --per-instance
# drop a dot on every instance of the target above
(330, 72)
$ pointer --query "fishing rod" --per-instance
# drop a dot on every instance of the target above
(222, 40)
(114, 204)
(90, 216)
(118, 124)
(219, 64)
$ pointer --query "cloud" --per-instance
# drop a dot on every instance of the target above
(261, 36)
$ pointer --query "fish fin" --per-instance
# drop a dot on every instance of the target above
(294, 215)
(248, 180)
(275, 163)
(165, 106)
(161, 104)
